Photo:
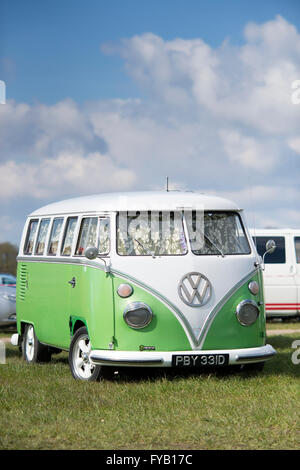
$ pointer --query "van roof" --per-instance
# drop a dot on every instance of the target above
(132, 201)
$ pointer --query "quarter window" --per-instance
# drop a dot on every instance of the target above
(297, 248)
(278, 257)
(41, 239)
(54, 237)
(31, 232)
(104, 235)
(69, 235)
(87, 235)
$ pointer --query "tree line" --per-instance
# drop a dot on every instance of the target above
(8, 255)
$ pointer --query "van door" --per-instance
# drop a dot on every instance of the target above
(50, 289)
(90, 287)
(279, 276)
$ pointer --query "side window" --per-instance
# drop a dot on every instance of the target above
(278, 257)
(104, 235)
(31, 232)
(41, 239)
(54, 237)
(87, 235)
(68, 236)
(297, 248)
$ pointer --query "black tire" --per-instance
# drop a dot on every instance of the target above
(80, 366)
(253, 368)
(32, 350)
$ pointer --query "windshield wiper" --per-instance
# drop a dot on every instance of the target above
(215, 246)
(145, 249)
(238, 243)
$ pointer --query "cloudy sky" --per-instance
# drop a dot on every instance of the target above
(116, 95)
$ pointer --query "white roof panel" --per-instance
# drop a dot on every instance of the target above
(133, 201)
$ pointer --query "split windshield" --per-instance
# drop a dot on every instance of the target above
(159, 233)
(153, 233)
(223, 234)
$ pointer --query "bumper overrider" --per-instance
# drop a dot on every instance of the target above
(186, 358)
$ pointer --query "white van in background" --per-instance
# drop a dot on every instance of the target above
(281, 271)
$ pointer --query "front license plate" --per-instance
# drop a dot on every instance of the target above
(199, 360)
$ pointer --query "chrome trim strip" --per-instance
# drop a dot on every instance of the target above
(256, 357)
(62, 259)
(120, 362)
(164, 358)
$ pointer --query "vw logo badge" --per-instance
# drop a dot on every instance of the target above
(194, 289)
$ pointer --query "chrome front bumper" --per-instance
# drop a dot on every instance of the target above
(164, 358)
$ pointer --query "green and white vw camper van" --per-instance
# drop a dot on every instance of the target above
(147, 279)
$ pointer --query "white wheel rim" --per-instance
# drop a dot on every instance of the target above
(81, 360)
(29, 345)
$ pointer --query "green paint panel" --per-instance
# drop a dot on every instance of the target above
(227, 333)
(92, 300)
(164, 332)
(47, 300)
(44, 301)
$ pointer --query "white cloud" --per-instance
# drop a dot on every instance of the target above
(215, 119)
(294, 144)
(66, 173)
(250, 84)
(263, 196)
(250, 152)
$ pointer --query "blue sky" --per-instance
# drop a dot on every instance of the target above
(51, 49)
(115, 95)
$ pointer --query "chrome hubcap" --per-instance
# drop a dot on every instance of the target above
(29, 345)
(82, 365)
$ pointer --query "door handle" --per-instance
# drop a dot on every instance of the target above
(72, 282)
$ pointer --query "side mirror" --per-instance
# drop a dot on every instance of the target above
(270, 247)
(91, 252)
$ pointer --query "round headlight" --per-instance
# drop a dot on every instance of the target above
(137, 315)
(253, 287)
(124, 290)
(247, 312)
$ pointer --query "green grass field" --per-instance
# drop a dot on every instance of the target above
(287, 324)
(43, 407)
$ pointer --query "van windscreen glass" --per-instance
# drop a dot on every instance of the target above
(147, 233)
(278, 257)
(223, 234)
